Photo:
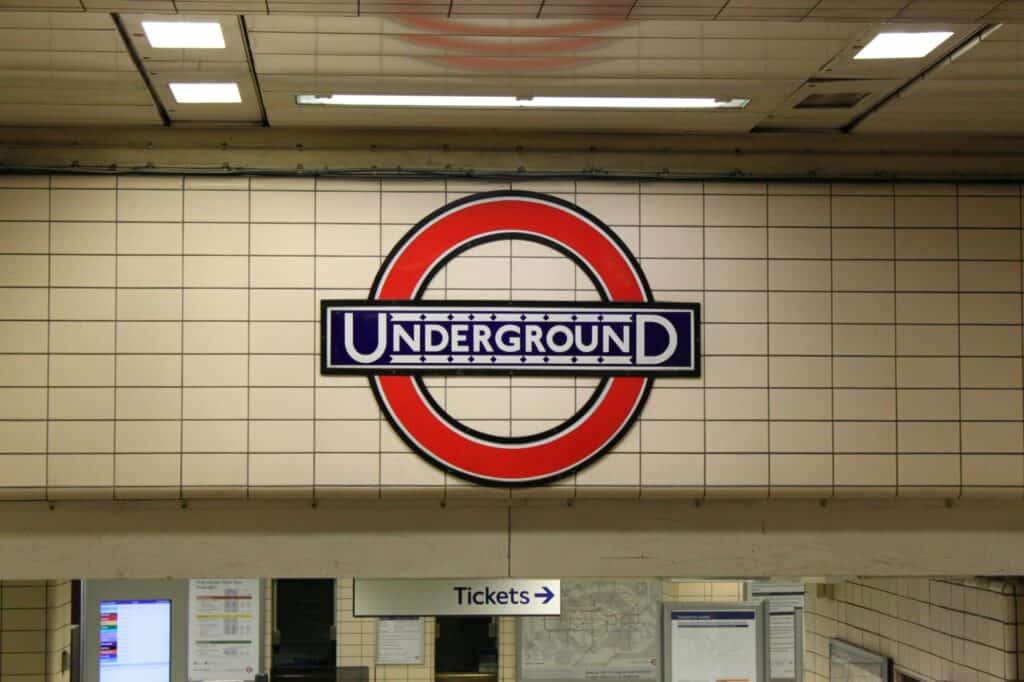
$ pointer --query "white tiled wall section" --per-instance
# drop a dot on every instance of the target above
(23, 631)
(158, 337)
(957, 631)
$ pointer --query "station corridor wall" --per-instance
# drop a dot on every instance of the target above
(159, 338)
(35, 630)
(933, 629)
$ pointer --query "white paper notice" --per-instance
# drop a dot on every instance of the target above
(400, 641)
(223, 629)
(714, 646)
(783, 600)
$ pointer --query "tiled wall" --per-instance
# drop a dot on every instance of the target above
(158, 337)
(23, 633)
(951, 630)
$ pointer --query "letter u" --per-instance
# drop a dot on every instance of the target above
(350, 346)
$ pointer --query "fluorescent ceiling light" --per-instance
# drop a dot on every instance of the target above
(191, 35)
(477, 102)
(903, 45)
(206, 93)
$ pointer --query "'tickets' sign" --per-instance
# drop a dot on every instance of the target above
(395, 338)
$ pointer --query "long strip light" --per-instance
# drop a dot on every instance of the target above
(490, 102)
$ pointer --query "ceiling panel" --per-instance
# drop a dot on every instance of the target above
(230, 64)
(763, 61)
(981, 92)
(59, 68)
(873, 11)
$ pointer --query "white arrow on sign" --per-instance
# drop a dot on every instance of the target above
(499, 597)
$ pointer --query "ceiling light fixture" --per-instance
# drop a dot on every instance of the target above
(903, 45)
(489, 102)
(206, 93)
(189, 35)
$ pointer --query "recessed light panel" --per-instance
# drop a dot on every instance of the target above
(900, 45)
(188, 35)
(478, 102)
(206, 93)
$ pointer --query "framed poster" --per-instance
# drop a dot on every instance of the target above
(715, 642)
(608, 630)
(223, 629)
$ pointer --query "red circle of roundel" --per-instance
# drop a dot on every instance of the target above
(473, 221)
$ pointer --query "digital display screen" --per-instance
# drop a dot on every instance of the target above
(135, 640)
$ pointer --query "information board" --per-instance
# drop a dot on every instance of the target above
(608, 630)
(135, 640)
(223, 629)
(714, 643)
(400, 641)
(783, 599)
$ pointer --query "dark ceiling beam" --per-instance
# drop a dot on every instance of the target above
(310, 151)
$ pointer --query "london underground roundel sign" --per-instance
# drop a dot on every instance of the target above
(396, 338)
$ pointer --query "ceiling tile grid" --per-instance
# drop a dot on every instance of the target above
(60, 68)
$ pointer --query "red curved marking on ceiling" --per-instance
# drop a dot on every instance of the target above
(559, 29)
(470, 45)
(510, 64)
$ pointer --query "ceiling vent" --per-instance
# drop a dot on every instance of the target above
(832, 100)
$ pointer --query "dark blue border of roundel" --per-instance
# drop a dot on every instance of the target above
(604, 302)
(475, 370)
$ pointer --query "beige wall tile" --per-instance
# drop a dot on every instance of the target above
(789, 242)
(736, 274)
(862, 244)
(24, 204)
(800, 403)
(280, 206)
(82, 204)
(668, 209)
(23, 337)
(865, 470)
(862, 211)
(670, 469)
(23, 304)
(149, 238)
(735, 210)
(149, 271)
(735, 242)
(799, 307)
(217, 206)
(147, 470)
(271, 469)
(348, 240)
(81, 470)
(800, 436)
(865, 437)
(348, 469)
(942, 470)
(216, 238)
(801, 470)
(82, 304)
(216, 271)
(347, 206)
(81, 436)
(925, 244)
(214, 436)
(214, 469)
(147, 337)
(737, 436)
(737, 470)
